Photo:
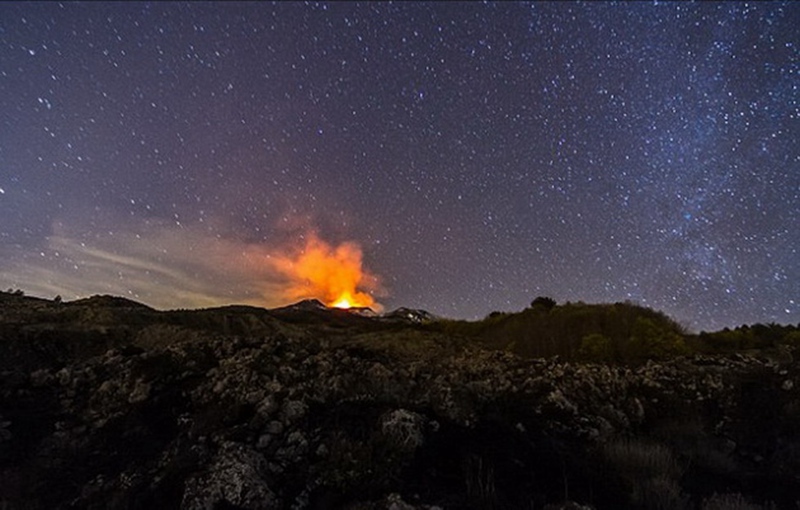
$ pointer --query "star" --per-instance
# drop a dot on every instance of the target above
(478, 155)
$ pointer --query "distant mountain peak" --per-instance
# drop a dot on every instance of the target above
(413, 315)
(108, 301)
(402, 314)
(303, 306)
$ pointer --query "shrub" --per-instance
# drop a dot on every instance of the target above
(730, 502)
(403, 429)
(641, 459)
(649, 340)
(651, 472)
(480, 483)
(660, 493)
(596, 347)
(792, 339)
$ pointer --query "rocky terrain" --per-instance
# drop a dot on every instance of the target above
(106, 403)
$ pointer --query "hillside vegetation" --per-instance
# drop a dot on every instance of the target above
(619, 332)
(107, 403)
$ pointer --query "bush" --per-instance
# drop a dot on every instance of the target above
(730, 502)
(596, 347)
(636, 458)
(792, 339)
(660, 493)
(651, 472)
(403, 429)
(649, 340)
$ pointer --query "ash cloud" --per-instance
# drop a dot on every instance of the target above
(169, 266)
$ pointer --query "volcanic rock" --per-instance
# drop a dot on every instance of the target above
(240, 407)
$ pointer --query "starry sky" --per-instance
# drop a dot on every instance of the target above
(479, 154)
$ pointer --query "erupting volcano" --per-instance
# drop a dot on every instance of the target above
(334, 275)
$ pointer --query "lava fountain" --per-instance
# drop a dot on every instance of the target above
(333, 274)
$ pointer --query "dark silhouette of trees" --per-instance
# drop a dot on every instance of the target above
(622, 332)
(619, 332)
(756, 336)
(543, 303)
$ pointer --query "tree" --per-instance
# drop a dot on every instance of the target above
(648, 340)
(544, 303)
(792, 339)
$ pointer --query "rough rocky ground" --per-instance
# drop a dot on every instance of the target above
(108, 404)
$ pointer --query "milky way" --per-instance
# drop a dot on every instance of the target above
(480, 154)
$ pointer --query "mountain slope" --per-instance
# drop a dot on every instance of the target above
(239, 407)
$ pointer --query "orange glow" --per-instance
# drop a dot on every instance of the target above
(344, 302)
(334, 275)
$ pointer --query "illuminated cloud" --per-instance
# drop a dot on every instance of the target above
(169, 266)
(333, 274)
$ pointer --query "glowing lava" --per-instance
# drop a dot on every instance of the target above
(344, 302)
(334, 275)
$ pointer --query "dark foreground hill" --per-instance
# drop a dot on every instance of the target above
(106, 403)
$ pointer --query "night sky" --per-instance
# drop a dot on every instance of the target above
(480, 155)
